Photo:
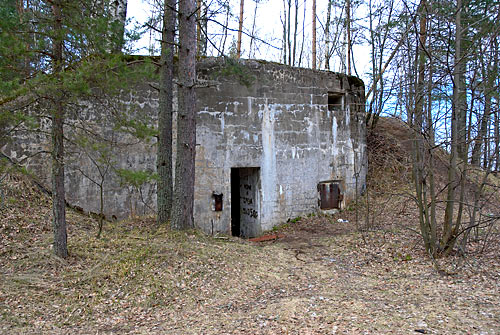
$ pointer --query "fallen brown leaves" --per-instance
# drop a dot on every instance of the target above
(322, 277)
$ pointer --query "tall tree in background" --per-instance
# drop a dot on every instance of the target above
(327, 35)
(295, 27)
(251, 51)
(182, 215)
(486, 59)
(348, 30)
(164, 155)
(288, 31)
(240, 29)
(468, 39)
(202, 27)
(303, 34)
(314, 34)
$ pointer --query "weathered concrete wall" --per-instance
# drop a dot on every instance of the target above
(90, 123)
(280, 125)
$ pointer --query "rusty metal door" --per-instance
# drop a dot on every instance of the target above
(329, 195)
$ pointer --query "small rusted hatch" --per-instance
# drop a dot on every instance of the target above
(330, 195)
(217, 201)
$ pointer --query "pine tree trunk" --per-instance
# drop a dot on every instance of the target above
(164, 158)
(58, 196)
(284, 32)
(348, 27)
(252, 35)
(303, 34)
(198, 27)
(182, 217)
(240, 29)
(289, 41)
(295, 32)
(327, 35)
(314, 34)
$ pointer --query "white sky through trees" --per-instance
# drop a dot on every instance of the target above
(268, 28)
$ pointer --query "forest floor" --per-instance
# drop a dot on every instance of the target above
(321, 277)
(324, 275)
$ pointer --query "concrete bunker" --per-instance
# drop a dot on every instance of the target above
(263, 147)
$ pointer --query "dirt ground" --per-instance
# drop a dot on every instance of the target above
(340, 274)
(322, 276)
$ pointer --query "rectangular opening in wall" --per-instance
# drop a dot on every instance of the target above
(235, 202)
(245, 201)
(335, 101)
(329, 194)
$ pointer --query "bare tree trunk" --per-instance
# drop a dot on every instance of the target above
(431, 142)
(487, 146)
(488, 74)
(496, 126)
(289, 42)
(226, 25)
(295, 31)
(314, 34)
(303, 33)
(198, 27)
(460, 99)
(240, 29)
(284, 32)
(164, 158)
(204, 36)
(101, 208)
(182, 217)
(58, 195)
(419, 161)
(496, 131)
(386, 65)
(483, 128)
(430, 124)
(118, 10)
(327, 35)
(252, 36)
(374, 65)
(348, 27)
(456, 177)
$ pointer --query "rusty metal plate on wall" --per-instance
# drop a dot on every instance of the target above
(329, 195)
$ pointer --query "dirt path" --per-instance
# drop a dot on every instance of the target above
(323, 278)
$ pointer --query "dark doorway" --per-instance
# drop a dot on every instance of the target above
(245, 201)
(235, 202)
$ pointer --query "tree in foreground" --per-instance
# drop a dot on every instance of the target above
(59, 51)
(463, 199)
(182, 211)
(164, 154)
